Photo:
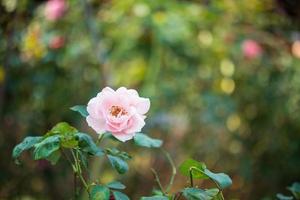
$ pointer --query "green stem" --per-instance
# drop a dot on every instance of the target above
(78, 170)
(157, 180)
(191, 177)
(74, 172)
(173, 170)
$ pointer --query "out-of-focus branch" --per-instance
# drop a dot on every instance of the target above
(173, 170)
(157, 180)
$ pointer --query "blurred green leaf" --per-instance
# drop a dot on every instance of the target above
(120, 196)
(284, 197)
(198, 194)
(156, 197)
(46, 147)
(223, 180)
(116, 152)
(87, 144)
(119, 164)
(54, 157)
(116, 185)
(200, 171)
(295, 189)
(81, 109)
(26, 144)
(143, 140)
(188, 164)
(212, 192)
(100, 192)
(67, 132)
(62, 128)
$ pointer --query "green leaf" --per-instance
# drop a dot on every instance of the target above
(120, 196)
(116, 152)
(188, 164)
(143, 140)
(99, 192)
(46, 147)
(119, 164)
(295, 189)
(197, 194)
(156, 197)
(86, 143)
(81, 109)
(67, 132)
(26, 144)
(62, 128)
(283, 197)
(222, 179)
(213, 191)
(116, 185)
(54, 157)
(200, 171)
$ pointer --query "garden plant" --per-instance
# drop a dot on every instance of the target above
(116, 115)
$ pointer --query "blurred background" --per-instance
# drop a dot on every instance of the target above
(223, 78)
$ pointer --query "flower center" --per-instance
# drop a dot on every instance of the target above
(117, 111)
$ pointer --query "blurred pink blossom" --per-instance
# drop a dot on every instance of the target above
(55, 9)
(57, 42)
(121, 112)
(251, 49)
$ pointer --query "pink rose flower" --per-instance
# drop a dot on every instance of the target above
(121, 112)
(55, 9)
(251, 49)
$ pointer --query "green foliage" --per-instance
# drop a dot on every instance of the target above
(66, 134)
(118, 164)
(116, 185)
(199, 170)
(62, 135)
(99, 192)
(116, 152)
(284, 197)
(295, 189)
(81, 109)
(223, 180)
(143, 140)
(186, 168)
(199, 194)
(156, 197)
(26, 144)
(47, 147)
(86, 144)
(120, 196)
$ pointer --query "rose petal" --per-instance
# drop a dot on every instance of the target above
(97, 124)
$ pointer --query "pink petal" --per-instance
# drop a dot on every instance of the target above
(123, 137)
(135, 124)
(143, 105)
(97, 124)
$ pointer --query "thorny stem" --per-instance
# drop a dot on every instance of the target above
(173, 170)
(177, 195)
(157, 180)
(74, 172)
(78, 170)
